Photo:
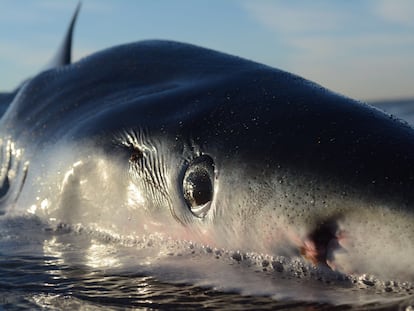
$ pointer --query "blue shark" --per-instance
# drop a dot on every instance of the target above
(194, 144)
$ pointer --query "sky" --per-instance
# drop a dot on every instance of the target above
(361, 48)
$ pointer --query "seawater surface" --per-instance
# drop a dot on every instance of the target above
(76, 268)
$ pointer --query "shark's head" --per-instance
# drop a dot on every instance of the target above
(160, 136)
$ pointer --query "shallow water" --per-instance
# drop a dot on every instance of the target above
(72, 268)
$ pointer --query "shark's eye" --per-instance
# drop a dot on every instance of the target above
(198, 185)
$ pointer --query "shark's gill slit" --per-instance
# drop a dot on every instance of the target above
(6, 162)
(23, 180)
(12, 171)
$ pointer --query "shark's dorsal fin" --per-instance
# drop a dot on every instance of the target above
(61, 58)
(63, 55)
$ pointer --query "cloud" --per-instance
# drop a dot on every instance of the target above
(365, 77)
(18, 53)
(356, 45)
(24, 16)
(396, 11)
(346, 47)
(280, 17)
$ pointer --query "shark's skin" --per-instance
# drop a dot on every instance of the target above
(269, 161)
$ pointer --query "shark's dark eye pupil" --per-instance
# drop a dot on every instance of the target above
(198, 185)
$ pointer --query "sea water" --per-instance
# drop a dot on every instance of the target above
(76, 268)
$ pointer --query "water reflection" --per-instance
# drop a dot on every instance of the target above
(102, 256)
(76, 270)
